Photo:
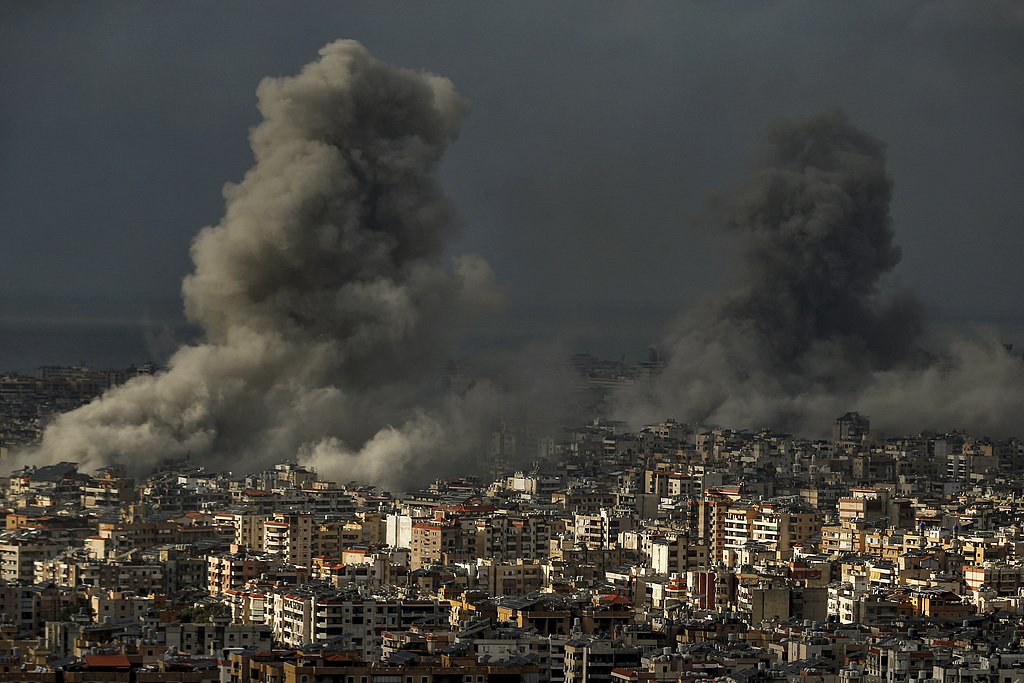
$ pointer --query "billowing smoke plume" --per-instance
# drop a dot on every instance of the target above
(805, 333)
(324, 295)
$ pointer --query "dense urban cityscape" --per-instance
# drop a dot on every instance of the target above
(672, 553)
(367, 245)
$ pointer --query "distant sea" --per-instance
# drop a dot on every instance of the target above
(116, 340)
(98, 332)
(115, 333)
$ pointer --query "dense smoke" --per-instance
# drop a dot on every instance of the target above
(806, 332)
(324, 296)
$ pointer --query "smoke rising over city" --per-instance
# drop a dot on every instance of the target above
(324, 295)
(812, 326)
(328, 304)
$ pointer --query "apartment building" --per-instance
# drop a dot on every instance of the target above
(122, 537)
(20, 550)
(231, 571)
(783, 525)
(309, 616)
(507, 537)
(602, 529)
(430, 542)
(738, 529)
(289, 535)
(248, 526)
(708, 517)
(508, 578)
(679, 554)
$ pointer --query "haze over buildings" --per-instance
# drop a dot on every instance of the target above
(324, 295)
(807, 329)
(327, 305)
(323, 339)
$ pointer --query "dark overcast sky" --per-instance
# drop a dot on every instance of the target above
(597, 130)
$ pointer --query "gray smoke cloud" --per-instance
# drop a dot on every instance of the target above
(808, 331)
(324, 295)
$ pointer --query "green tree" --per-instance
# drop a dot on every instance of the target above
(201, 614)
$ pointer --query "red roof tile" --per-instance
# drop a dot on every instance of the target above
(108, 661)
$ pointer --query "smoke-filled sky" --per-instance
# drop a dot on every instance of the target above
(605, 165)
(806, 328)
(325, 298)
(596, 130)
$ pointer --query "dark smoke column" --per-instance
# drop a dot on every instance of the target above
(323, 293)
(803, 324)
